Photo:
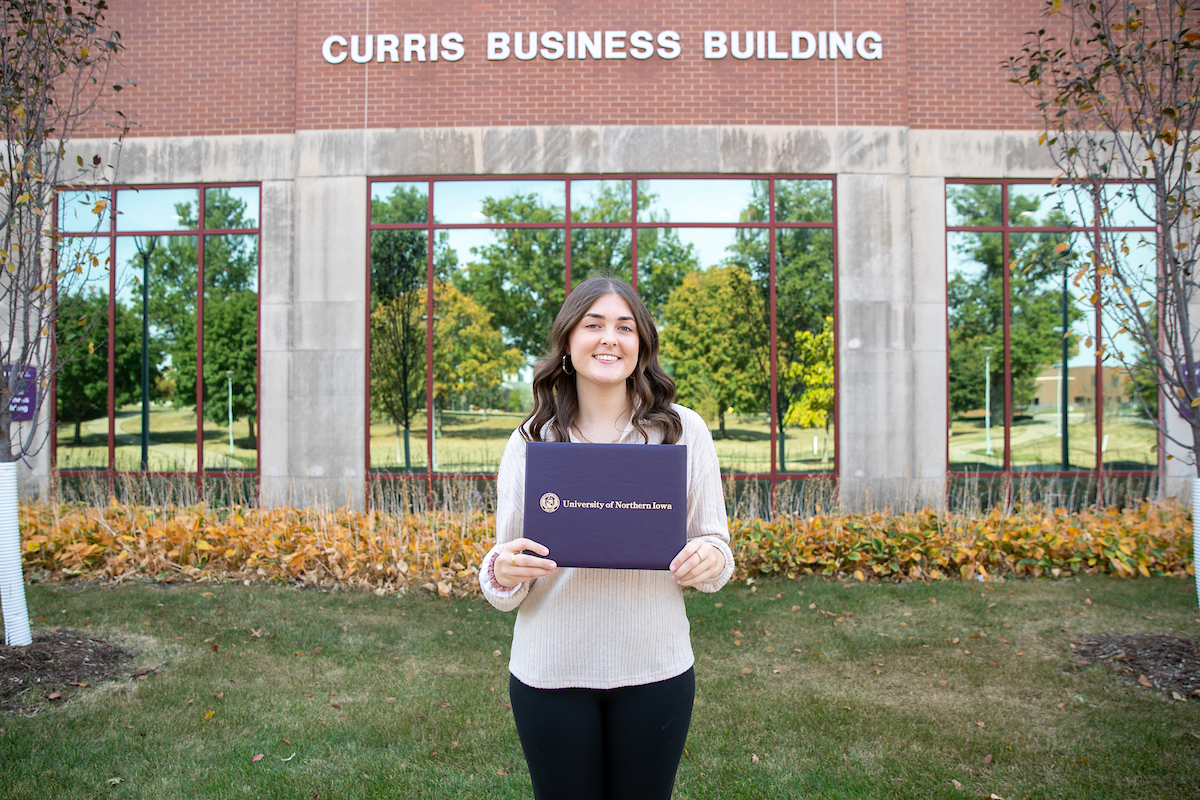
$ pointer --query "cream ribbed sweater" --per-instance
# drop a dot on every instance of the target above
(604, 628)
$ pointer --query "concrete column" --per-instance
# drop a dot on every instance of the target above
(326, 373)
(877, 398)
(276, 288)
(929, 428)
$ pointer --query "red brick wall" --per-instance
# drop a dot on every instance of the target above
(234, 66)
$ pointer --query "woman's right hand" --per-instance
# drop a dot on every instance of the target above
(514, 566)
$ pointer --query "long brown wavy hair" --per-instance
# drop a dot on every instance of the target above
(555, 398)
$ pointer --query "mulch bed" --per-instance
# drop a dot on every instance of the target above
(1170, 664)
(56, 662)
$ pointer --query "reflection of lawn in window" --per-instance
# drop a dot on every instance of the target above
(172, 443)
(746, 446)
(1036, 444)
(968, 445)
(808, 449)
(470, 443)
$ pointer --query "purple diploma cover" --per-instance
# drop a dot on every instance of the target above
(613, 506)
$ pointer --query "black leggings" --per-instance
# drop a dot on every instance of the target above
(604, 744)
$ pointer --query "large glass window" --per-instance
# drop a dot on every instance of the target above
(167, 383)
(1034, 387)
(467, 275)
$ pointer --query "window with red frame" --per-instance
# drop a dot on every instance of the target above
(167, 383)
(466, 276)
(1033, 384)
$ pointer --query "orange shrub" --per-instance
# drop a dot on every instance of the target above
(442, 552)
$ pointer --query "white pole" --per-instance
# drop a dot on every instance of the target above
(987, 398)
(1196, 534)
(229, 375)
(12, 582)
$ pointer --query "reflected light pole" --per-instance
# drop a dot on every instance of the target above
(229, 376)
(987, 397)
(146, 250)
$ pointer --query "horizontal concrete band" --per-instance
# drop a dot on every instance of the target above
(576, 150)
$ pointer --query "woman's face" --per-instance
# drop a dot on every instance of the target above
(604, 343)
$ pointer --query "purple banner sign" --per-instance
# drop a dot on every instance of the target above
(24, 403)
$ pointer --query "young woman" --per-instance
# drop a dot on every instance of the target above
(601, 669)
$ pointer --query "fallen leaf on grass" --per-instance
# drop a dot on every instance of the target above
(257, 757)
(501, 772)
(957, 785)
(747, 671)
(981, 724)
(255, 634)
(289, 758)
(495, 652)
(389, 699)
(285, 741)
(115, 781)
(55, 695)
(943, 683)
(209, 714)
(218, 695)
(987, 759)
(753, 758)
(1174, 694)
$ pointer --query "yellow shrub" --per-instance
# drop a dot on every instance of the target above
(443, 552)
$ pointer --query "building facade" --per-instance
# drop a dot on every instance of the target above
(818, 204)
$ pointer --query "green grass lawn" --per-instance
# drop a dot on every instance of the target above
(470, 442)
(875, 691)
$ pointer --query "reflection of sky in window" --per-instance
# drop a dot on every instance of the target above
(81, 251)
(461, 202)
(960, 262)
(154, 209)
(462, 241)
(382, 191)
(1130, 205)
(76, 212)
(696, 200)
(129, 271)
(584, 194)
(965, 192)
(1141, 269)
(248, 195)
(709, 244)
(1047, 197)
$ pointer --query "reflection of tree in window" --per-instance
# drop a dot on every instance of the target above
(976, 305)
(470, 359)
(715, 342)
(397, 312)
(230, 311)
(519, 278)
(82, 390)
(602, 251)
(803, 297)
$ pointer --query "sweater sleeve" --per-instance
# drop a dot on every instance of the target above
(510, 520)
(706, 517)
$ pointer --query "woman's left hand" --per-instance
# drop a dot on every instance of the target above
(697, 562)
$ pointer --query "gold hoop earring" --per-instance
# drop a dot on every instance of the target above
(564, 366)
